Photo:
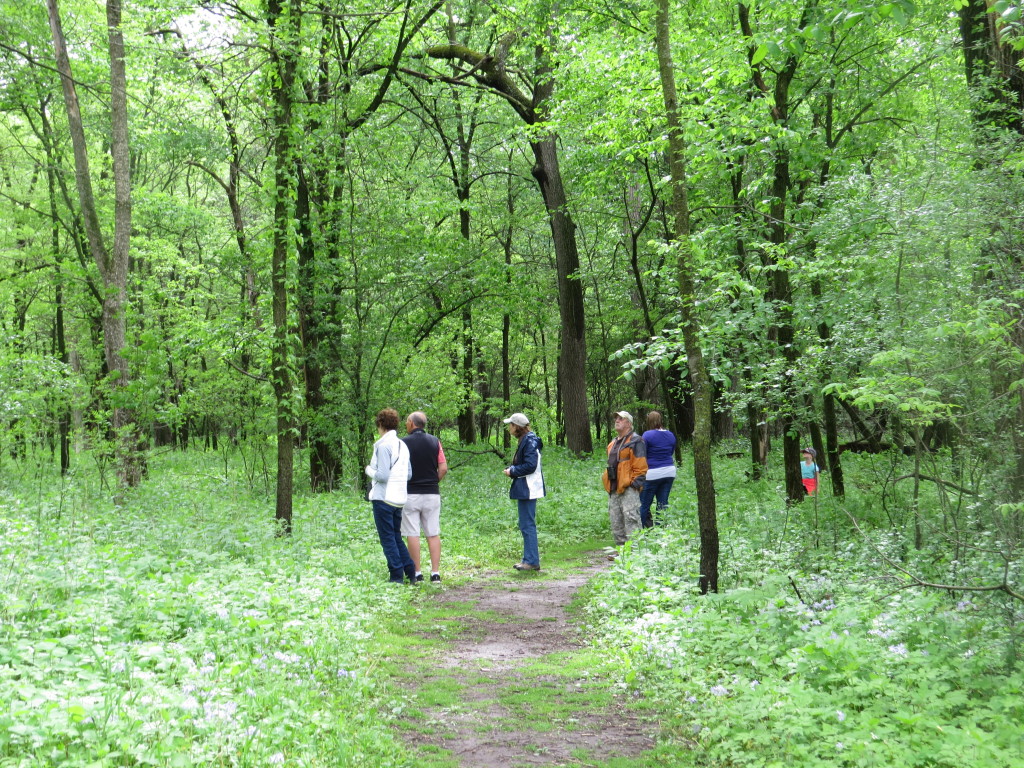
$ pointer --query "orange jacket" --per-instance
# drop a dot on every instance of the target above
(632, 463)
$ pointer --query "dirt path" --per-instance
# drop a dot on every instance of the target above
(523, 692)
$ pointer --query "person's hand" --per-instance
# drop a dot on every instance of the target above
(508, 471)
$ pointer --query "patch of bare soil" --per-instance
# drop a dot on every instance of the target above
(531, 622)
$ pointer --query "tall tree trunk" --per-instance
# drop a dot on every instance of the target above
(113, 263)
(992, 68)
(785, 333)
(467, 416)
(834, 461)
(60, 344)
(572, 378)
(489, 71)
(996, 81)
(506, 318)
(781, 289)
(324, 465)
(461, 177)
(284, 29)
(757, 427)
(706, 512)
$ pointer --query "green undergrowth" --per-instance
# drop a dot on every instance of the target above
(177, 628)
(813, 652)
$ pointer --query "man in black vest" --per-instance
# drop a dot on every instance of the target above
(422, 509)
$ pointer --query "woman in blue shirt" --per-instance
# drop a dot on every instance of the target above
(809, 470)
(661, 469)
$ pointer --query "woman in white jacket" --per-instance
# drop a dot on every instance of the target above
(390, 470)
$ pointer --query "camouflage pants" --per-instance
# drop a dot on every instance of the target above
(624, 513)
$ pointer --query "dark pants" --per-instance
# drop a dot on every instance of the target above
(389, 529)
(654, 489)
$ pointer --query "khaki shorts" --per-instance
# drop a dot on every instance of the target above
(422, 510)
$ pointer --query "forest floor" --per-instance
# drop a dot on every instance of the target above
(497, 674)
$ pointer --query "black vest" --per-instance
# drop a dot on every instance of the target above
(423, 449)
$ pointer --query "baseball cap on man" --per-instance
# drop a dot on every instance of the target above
(519, 419)
(624, 415)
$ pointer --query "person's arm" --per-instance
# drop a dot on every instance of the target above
(639, 464)
(442, 462)
(371, 468)
(383, 469)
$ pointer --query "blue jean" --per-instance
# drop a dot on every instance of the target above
(654, 488)
(389, 528)
(528, 527)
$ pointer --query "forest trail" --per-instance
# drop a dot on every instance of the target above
(514, 684)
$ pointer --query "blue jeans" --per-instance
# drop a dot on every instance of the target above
(654, 488)
(389, 528)
(528, 527)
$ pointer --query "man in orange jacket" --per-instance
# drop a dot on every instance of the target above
(624, 478)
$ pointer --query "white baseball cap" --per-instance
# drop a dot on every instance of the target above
(519, 419)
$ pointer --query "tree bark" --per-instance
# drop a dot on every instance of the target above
(572, 377)
(781, 289)
(699, 379)
(506, 318)
(59, 342)
(113, 263)
(834, 461)
(324, 464)
(992, 68)
(572, 381)
(283, 57)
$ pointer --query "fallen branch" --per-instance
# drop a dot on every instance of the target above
(915, 581)
(937, 481)
(470, 453)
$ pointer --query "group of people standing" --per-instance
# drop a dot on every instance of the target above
(407, 471)
(406, 495)
(641, 469)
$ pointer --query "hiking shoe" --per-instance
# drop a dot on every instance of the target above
(419, 578)
(435, 578)
(526, 567)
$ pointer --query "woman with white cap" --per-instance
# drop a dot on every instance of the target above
(527, 486)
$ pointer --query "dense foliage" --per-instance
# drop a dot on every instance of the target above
(177, 629)
(231, 232)
(818, 653)
(851, 234)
